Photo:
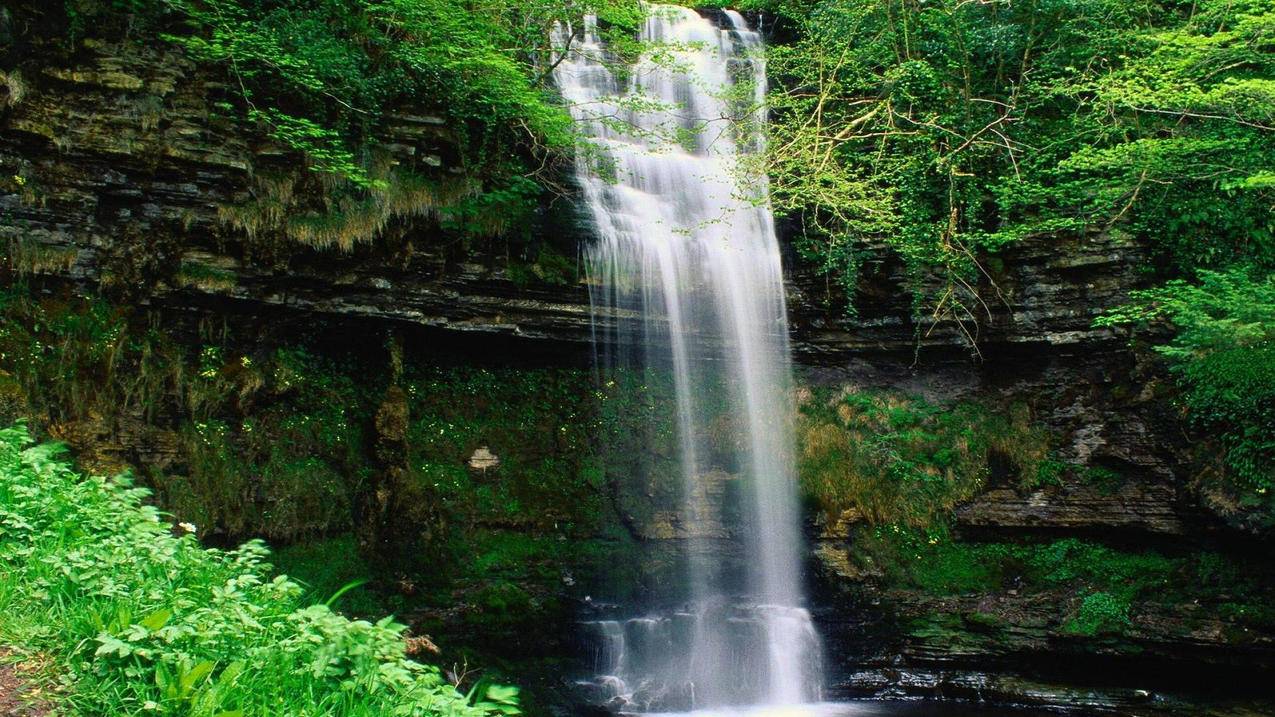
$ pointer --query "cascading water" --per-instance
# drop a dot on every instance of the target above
(684, 246)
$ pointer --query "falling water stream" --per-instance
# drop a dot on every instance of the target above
(688, 247)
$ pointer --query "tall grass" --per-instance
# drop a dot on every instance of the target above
(140, 621)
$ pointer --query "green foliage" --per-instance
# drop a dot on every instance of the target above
(141, 620)
(322, 77)
(929, 559)
(949, 128)
(899, 459)
(331, 80)
(1222, 355)
(71, 357)
(323, 568)
(319, 75)
(549, 267)
(271, 446)
(1099, 613)
(274, 443)
(1070, 561)
(539, 423)
(1098, 588)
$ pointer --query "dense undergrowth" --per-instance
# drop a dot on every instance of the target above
(948, 129)
(140, 620)
(895, 468)
(1098, 589)
(276, 438)
(1222, 355)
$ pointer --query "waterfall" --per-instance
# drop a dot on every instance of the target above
(684, 244)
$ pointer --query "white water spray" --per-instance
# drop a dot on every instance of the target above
(683, 245)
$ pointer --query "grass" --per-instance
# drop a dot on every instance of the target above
(892, 458)
(205, 277)
(140, 620)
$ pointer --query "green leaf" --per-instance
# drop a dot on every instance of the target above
(156, 620)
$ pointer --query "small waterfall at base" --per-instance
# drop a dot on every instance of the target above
(683, 246)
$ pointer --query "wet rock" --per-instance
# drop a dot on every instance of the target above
(398, 522)
(1136, 506)
(483, 460)
(1009, 689)
(123, 148)
(708, 501)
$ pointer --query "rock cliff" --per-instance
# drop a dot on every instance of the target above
(118, 170)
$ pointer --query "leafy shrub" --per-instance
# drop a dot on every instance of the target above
(318, 75)
(933, 561)
(141, 620)
(1222, 355)
(1071, 561)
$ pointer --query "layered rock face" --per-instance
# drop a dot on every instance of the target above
(118, 173)
(119, 170)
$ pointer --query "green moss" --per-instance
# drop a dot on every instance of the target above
(933, 561)
(549, 267)
(1254, 615)
(985, 622)
(893, 458)
(75, 357)
(538, 422)
(205, 277)
(500, 605)
(1098, 589)
(930, 560)
(1049, 472)
(325, 567)
(266, 446)
(1099, 613)
(1070, 560)
(1104, 479)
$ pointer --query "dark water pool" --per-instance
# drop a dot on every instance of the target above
(869, 708)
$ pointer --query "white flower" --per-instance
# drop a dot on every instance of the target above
(188, 527)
